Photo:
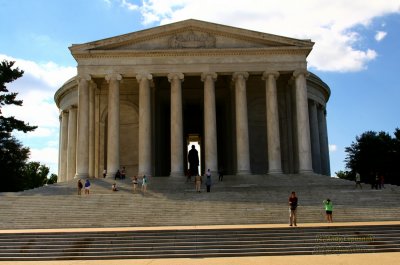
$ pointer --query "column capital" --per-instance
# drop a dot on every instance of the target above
(236, 75)
(71, 107)
(172, 76)
(213, 76)
(113, 76)
(266, 74)
(83, 77)
(298, 72)
(141, 76)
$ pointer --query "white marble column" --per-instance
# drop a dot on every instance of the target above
(59, 148)
(92, 88)
(314, 133)
(323, 138)
(71, 150)
(176, 124)
(82, 145)
(242, 127)
(273, 135)
(145, 145)
(63, 147)
(210, 122)
(113, 124)
(303, 125)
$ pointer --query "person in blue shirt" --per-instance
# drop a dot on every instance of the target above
(87, 186)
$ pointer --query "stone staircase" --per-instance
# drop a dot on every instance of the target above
(173, 201)
(201, 243)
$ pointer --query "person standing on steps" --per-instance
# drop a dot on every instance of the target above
(144, 184)
(208, 179)
(117, 175)
(293, 202)
(79, 187)
(358, 180)
(87, 187)
(197, 181)
(104, 173)
(193, 158)
(135, 183)
(220, 174)
(123, 173)
(328, 210)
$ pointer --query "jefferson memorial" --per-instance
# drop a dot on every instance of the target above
(244, 98)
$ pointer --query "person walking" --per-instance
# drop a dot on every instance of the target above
(197, 181)
(87, 187)
(358, 180)
(328, 209)
(79, 187)
(293, 202)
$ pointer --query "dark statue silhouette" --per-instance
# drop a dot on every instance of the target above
(193, 158)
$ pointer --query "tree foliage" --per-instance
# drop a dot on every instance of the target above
(53, 179)
(375, 153)
(35, 175)
(16, 173)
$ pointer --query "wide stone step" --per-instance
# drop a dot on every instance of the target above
(199, 243)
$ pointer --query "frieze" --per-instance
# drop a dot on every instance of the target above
(192, 40)
(211, 52)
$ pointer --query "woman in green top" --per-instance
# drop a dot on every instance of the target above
(328, 210)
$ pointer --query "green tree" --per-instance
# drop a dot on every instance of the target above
(13, 155)
(52, 179)
(345, 175)
(34, 175)
(375, 153)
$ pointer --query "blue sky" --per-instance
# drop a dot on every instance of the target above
(357, 53)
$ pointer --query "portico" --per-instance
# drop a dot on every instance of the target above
(139, 96)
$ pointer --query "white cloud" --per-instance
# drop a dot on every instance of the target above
(332, 148)
(47, 156)
(36, 88)
(330, 24)
(128, 5)
(380, 35)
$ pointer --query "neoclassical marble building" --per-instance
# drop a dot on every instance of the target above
(140, 99)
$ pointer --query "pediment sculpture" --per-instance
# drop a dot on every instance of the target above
(192, 40)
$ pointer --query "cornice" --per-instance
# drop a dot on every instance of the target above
(194, 52)
(66, 88)
(314, 79)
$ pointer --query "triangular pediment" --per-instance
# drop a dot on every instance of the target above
(191, 34)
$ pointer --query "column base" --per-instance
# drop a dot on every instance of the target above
(243, 172)
(274, 172)
(110, 174)
(177, 174)
(81, 176)
(306, 171)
